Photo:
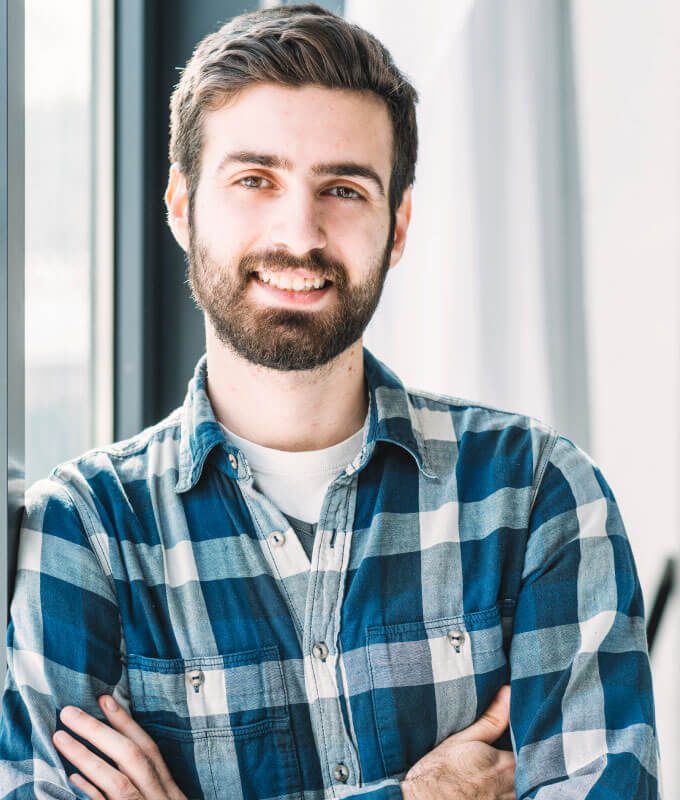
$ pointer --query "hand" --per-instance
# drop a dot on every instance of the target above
(465, 766)
(141, 774)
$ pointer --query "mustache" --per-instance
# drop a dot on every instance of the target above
(280, 261)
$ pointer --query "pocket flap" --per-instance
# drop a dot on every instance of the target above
(227, 691)
(449, 647)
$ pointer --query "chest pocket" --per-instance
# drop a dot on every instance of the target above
(431, 679)
(222, 723)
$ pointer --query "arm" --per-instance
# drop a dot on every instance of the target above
(140, 772)
(63, 642)
(463, 766)
(582, 713)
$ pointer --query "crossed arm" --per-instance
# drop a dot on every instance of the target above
(582, 717)
(463, 766)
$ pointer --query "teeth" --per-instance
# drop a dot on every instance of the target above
(294, 283)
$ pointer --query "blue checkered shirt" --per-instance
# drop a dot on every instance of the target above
(464, 548)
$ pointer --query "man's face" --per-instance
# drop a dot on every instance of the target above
(293, 191)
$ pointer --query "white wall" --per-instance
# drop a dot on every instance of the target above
(627, 57)
(628, 63)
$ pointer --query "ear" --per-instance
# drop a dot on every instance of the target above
(403, 217)
(177, 204)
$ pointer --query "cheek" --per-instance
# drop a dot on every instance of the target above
(366, 232)
(358, 242)
(365, 243)
(227, 230)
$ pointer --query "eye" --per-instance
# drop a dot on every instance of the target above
(255, 178)
(347, 193)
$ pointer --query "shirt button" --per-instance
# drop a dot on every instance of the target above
(341, 773)
(456, 639)
(320, 651)
(233, 461)
(277, 538)
(196, 678)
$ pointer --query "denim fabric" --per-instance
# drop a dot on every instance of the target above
(464, 548)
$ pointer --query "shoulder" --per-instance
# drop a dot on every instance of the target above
(471, 415)
(165, 432)
(572, 474)
(575, 510)
(496, 447)
(482, 434)
(107, 469)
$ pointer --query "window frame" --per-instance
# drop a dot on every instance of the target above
(12, 351)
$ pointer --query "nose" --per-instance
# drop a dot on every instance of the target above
(297, 225)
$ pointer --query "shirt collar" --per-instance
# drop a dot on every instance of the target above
(392, 418)
(392, 414)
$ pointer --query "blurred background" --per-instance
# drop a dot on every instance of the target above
(541, 274)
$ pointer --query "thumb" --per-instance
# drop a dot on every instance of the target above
(492, 723)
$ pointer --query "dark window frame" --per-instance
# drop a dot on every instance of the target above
(12, 356)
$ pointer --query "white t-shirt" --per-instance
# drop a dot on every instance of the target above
(297, 482)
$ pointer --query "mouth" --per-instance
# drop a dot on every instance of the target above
(289, 288)
(291, 283)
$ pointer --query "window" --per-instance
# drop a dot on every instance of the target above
(68, 230)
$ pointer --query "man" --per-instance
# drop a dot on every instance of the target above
(307, 580)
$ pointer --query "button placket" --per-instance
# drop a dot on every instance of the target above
(320, 651)
(327, 581)
(277, 538)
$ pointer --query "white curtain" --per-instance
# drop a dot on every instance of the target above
(487, 303)
(542, 270)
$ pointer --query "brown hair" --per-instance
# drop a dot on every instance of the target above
(294, 46)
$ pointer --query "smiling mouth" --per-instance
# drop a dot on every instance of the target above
(291, 283)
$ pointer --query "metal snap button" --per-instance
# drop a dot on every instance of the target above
(456, 639)
(341, 773)
(196, 678)
(320, 651)
(233, 461)
(277, 538)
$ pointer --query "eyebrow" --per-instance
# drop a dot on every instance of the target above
(345, 169)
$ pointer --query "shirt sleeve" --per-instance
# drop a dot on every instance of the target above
(582, 710)
(63, 643)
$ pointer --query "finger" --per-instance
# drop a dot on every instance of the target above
(505, 776)
(131, 761)
(95, 769)
(122, 722)
(505, 759)
(119, 719)
(85, 786)
(492, 723)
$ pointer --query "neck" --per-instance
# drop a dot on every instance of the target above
(294, 411)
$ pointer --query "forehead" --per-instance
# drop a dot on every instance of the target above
(305, 125)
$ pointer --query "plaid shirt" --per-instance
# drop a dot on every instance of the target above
(465, 547)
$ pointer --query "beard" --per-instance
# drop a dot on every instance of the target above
(282, 338)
